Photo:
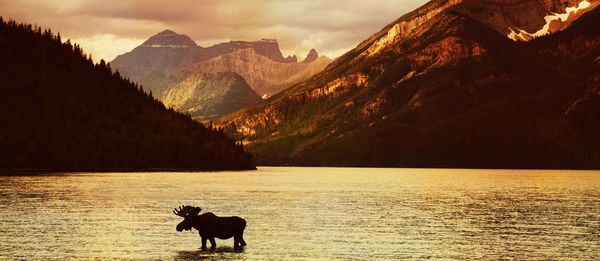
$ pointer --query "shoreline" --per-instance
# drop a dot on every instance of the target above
(31, 171)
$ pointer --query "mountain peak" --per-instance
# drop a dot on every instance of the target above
(170, 39)
(290, 59)
(311, 56)
(167, 32)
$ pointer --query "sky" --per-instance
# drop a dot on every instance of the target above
(108, 28)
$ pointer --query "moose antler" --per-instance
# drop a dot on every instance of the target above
(185, 211)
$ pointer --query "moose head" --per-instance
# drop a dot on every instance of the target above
(188, 213)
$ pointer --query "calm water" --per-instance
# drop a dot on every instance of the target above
(307, 213)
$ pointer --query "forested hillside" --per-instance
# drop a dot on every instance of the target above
(61, 111)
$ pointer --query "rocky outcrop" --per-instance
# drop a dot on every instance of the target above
(311, 56)
(405, 27)
(335, 88)
(448, 51)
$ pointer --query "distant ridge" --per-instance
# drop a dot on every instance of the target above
(159, 63)
(159, 59)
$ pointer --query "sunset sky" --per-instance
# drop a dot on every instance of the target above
(111, 27)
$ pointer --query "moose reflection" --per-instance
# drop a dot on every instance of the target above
(210, 226)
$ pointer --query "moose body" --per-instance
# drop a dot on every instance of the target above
(210, 226)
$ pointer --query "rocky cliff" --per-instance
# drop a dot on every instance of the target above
(264, 75)
(266, 47)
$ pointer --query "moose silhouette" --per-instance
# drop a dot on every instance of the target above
(211, 226)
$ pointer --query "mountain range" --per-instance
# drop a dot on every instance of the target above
(455, 83)
(164, 60)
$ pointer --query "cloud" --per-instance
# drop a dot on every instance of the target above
(96, 45)
(110, 27)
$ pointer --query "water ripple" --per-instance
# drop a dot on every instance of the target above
(306, 213)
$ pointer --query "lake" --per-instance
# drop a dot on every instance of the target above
(306, 213)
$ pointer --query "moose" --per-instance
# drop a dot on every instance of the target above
(210, 226)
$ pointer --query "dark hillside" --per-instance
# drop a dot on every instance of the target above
(446, 90)
(62, 112)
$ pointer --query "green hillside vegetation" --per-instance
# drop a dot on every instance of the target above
(62, 112)
(207, 96)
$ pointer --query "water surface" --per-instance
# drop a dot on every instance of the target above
(307, 213)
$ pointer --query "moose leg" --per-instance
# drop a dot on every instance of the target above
(242, 242)
(238, 239)
(241, 235)
(203, 243)
(213, 244)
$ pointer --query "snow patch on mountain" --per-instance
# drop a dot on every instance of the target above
(522, 35)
